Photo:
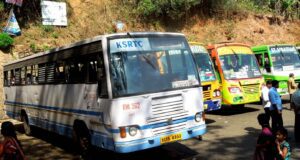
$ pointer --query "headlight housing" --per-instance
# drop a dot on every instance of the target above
(132, 130)
(198, 117)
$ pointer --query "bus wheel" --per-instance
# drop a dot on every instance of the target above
(26, 126)
(82, 138)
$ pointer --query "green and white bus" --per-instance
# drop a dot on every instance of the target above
(277, 62)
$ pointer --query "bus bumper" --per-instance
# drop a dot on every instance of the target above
(211, 105)
(141, 144)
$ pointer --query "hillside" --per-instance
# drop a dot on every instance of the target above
(88, 18)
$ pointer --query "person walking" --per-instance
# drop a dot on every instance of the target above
(291, 87)
(265, 99)
(296, 105)
(276, 107)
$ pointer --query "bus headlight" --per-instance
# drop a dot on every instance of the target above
(218, 93)
(132, 131)
(198, 117)
(214, 94)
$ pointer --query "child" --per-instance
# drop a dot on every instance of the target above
(283, 147)
(265, 142)
(11, 145)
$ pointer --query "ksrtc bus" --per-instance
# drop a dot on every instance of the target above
(209, 80)
(110, 91)
(239, 73)
(277, 62)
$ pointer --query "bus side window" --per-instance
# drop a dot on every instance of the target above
(34, 74)
(28, 75)
(101, 77)
(259, 59)
(6, 78)
(42, 73)
(17, 76)
(267, 62)
(12, 77)
(50, 72)
(60, 72)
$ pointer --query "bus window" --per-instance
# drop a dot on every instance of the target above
(6, 78)
(259, 59)
(28, 75)
(50, 70)
(42, 73)
(18, 76)
(59, 72)
(35, 74)
(267, 62)
(12, 77)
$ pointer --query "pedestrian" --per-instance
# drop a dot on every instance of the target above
(276, 106)
(11, 145)
(296, 105)
(265, 143)
(291, 87)
(265, 98)
(282, 146)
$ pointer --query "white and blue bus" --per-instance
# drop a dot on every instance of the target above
(122, 92)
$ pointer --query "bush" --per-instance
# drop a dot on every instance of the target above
(5, 40)
(173, 9)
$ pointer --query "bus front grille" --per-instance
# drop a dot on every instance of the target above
(169, 128)
(167, 107)
(250, 89)
(206, 94)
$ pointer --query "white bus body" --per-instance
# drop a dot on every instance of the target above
(89, 85)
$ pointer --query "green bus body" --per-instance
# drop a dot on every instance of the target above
(277, 62)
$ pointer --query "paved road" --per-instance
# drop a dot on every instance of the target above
(232, 135)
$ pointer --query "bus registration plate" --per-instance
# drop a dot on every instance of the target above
(171, 138)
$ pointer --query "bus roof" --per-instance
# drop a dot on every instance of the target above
(225, 44)
(87, 41)
(266, 47)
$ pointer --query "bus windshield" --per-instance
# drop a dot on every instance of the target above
(285, 58)
(151, 64)
(238, 65)
(204, 63)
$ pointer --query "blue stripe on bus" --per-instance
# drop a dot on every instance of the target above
(56, 108)
(148, 126)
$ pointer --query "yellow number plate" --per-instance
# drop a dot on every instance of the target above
(171, 138)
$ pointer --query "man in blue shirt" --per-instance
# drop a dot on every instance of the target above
(276, 106)
(296, 104)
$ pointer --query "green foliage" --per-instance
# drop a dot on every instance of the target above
(1, 6)
(54, 35)
(165, 8)
(33, 47)
(5, 40)
(47, 28)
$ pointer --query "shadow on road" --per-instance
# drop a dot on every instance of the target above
(42, 144)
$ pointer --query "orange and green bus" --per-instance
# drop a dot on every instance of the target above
(209, 80)
(239, 72)
(277, 62)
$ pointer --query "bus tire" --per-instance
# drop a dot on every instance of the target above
(82, 138)
(26, 126)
